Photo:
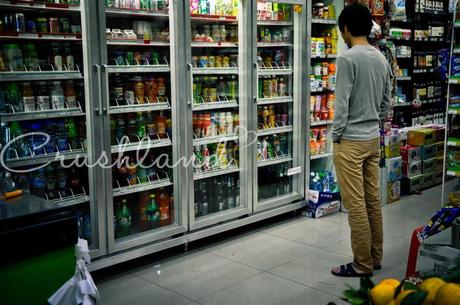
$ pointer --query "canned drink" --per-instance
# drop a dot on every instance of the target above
(234, 60)
(205, 94)
(203, 62)
(20, 23)
(53, 25)
(119, 58)
(211, 61)
(129, 58)
(129, 96)
(219, 61)
(137, 58)
(213, 94)
(31, 27)
(64, 25)
(195, 61)
(226, 61)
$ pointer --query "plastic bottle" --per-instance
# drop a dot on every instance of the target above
(161, 90)
(62, 181)
(14, 57)
(72, 133)
(39, 183)
(30, 57)
(140, 125)
(42, 96)
(120, 130)
(222, 123)
(131, 127)
(56, 57)
(281, 87)
(50, 182)
(13, 97)
(266, 117)
(163, 202)
(28, 98)
(153, 210)
(70, 96)
(69, 59)
(57, 95)
(161, 125)
(74, 181)
(123, 220)
(229, 125)
(61, 136)
(150, 126)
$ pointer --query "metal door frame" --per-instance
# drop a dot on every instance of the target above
(244, 76)
(180, 225)
(94, 129)
(298, 108)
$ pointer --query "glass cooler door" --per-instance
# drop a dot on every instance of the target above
(216, 138)
(139, 91)
(279, 82)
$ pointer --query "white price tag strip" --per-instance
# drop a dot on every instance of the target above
(294, 171)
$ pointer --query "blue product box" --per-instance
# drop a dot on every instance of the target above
(394, 166)
(322, 203)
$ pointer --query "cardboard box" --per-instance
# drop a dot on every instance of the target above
(411, 169)
(428, 151)
(394, 166)
(322, 203)
(419, 137)
(410, 185)
(394, 191)
(437, 260)
(429, 166)
(428, 180)
(411, 153)
(393, 138)
(393, 150)
(440, 149)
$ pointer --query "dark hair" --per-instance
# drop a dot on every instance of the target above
(357, 18)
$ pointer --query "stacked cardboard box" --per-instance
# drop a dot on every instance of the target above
(422, 158)
(393, 165)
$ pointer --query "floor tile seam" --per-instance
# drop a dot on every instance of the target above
(239, 263)
(226, 287)
(166, 288)
(302, 284)
(296, 241)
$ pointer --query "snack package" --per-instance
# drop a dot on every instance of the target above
(399, 9)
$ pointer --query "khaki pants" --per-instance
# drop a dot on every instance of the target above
(357, 167)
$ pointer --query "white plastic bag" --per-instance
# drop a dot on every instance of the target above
(80, 289)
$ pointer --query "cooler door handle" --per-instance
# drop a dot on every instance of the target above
(190, 74)
(254, 97)
(98, 109)
(106, 81)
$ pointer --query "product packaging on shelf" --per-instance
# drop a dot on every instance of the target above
(439, 164)
(323, 196)
(394, 191)
(411, 154)
(429, 166)
(429, 151)
(422, 136)
(411, 185)
(440, 149)
(413, 169)
(428, 180)
(394, 166)
(437, 260)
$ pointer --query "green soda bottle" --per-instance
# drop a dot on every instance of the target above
(123, 220)
(153, 210)
(72, 133)
(140, 125)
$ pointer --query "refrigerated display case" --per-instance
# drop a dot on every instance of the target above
(279, 31)
(45, 89)
(217, 61)
(139, 93)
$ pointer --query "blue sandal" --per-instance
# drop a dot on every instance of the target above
(348, 271)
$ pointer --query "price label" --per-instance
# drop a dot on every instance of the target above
(294, 171)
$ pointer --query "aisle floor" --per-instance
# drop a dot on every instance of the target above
(285, 262)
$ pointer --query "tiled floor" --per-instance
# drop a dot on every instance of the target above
(286, 262)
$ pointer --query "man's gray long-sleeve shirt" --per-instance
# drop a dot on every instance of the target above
(363, 94)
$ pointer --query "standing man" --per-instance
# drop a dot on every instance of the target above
(363, 95)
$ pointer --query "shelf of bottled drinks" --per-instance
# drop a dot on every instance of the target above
(220, 86)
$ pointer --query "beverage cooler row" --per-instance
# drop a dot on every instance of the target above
(151, 119)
